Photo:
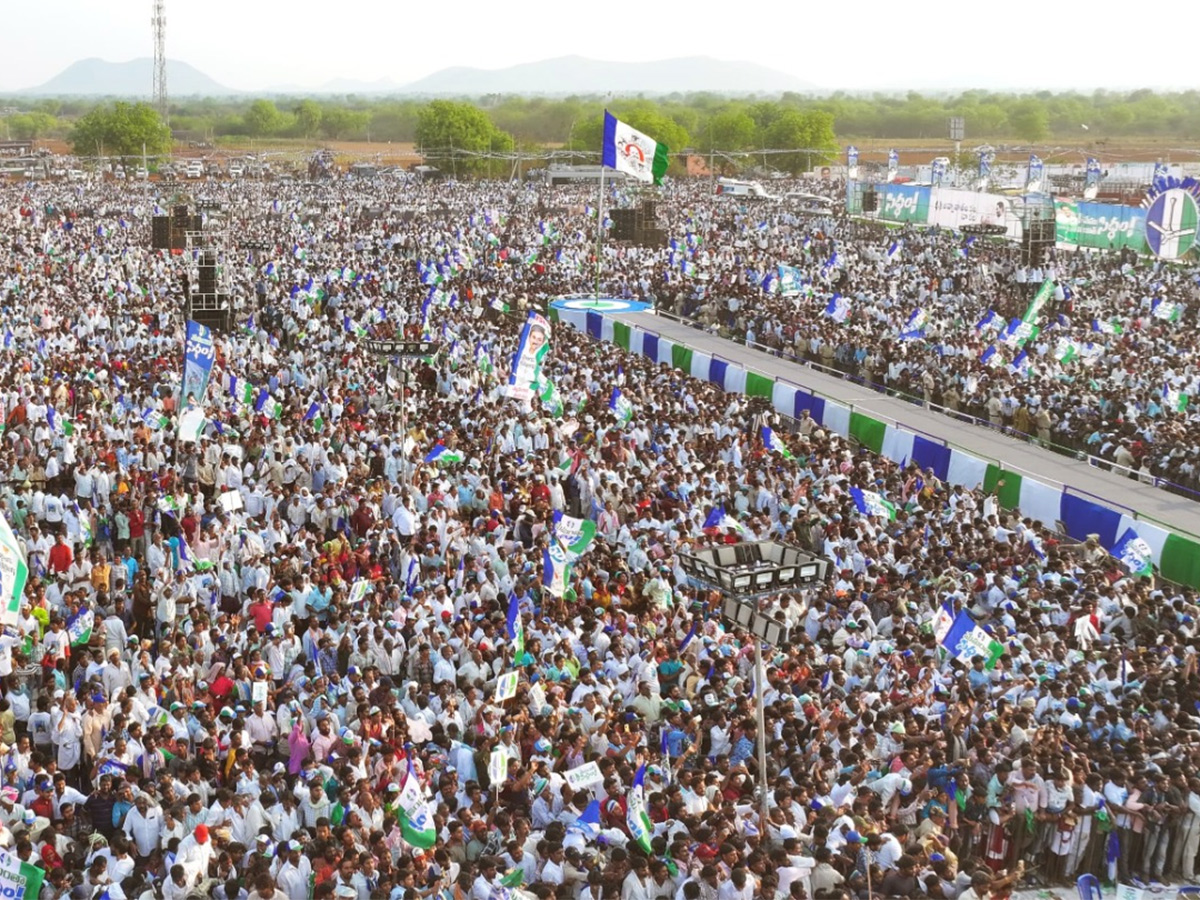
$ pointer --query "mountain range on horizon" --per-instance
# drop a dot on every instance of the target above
(561, 76)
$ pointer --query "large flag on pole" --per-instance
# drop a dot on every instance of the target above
(515, 627)
(412, 809)
(14, 572)
(628, 150)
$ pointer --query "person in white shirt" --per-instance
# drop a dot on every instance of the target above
(143, 825)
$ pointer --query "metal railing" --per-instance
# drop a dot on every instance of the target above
(1098, 462)
(1038, 476)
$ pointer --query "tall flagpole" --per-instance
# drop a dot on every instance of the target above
(599, 234)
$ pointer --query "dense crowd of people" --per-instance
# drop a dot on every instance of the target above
(273, 657)
(1109, 371)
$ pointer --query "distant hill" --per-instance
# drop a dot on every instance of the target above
(579, 75)
(558, 77)
(135, 78)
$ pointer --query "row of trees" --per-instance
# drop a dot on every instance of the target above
(703, 123)
(468, 137)
(708, 119)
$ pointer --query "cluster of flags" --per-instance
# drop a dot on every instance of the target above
(245, 393)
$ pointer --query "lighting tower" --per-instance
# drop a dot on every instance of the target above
(159, 21)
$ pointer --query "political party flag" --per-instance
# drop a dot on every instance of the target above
(790, 280)
(1134, 554)
(556, 569)
(1166, 310)
(515, 627)
(442, 455)
(1040, 299)
(620, 405)
(359, 590)
(774, 444)
(14, 572)
(965, 640)
(1066, 351)
(870, 503)
(628, 150)
(483, 359)
(893, 165)
(18, 879)
(991, 320)
(574, 534)
(1112, 326)
(1174, 400)
(80, 625)
(1033, 178)
(412, 809)
(1019, 333)
(894, 250)
(637, 818)
(531, 352)
(513, 877)
(915, 326)
(61, 425)
(1018, 364)
(112, 767)
(198, 358)
(718, 518)
(838, 308)
(241, 390)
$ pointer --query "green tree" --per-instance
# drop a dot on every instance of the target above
(732, 129)
(340, 124)
(31, 126)
(450, 133)
(1030, 121)
(308, 117)
(810, 134)
(121, 130)
(263, 119)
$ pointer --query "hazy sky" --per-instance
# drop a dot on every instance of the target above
(259, 44)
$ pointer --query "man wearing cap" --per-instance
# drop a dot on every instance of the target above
(195, 853)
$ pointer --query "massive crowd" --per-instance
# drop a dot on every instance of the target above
(275, 662)
(1109, 371)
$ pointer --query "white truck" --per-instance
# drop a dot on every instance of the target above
(743, 190)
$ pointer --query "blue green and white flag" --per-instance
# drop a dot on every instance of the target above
(1174, 400)
(412, 810)
(80, 625)
(14, 572)
(1166, 310)
(574, 534)
(1040, 299)
(773, 444)
(870, 503)
(443, 455)
(637, 818)
(1066, 351)
(620, 405)
(1134, 554)
(556, 569)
